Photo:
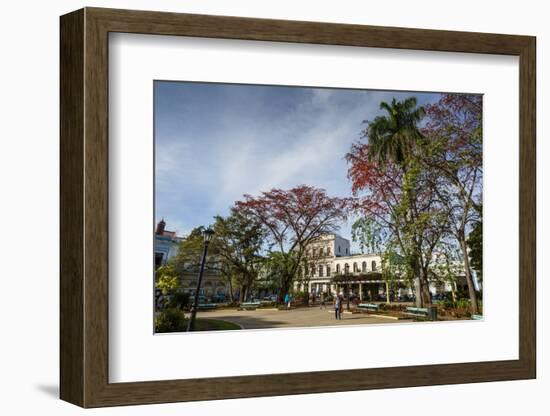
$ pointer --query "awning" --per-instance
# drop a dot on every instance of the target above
(359, 277)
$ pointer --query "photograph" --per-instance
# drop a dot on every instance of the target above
(283, 206)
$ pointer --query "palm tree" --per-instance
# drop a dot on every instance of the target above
(393, 137)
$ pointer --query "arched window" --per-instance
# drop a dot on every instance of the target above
(364, 267)
(337, 268)
(373, 265)
(328, 251)
(321, 252)
(328, 269)
(312, 270)
(346, 268)
(355, 269)
(320, 270)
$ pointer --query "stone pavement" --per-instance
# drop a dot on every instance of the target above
(301, 317)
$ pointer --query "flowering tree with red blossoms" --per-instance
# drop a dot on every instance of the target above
(400, 210)
(294, 218)
(430, 195)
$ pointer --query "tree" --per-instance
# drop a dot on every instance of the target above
(293, 219)
(171, 318)
(396, 191)
(166, 279)
(238, 242)
(394, 136)
(278, 265)
(188, 260)
(394, 220)
(189, 255)
(454, 150)
(446, 266)
(475, 244)
(171, 288)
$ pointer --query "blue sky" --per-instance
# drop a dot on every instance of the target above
(216, 142)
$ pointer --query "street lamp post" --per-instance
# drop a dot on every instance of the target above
(207, 235)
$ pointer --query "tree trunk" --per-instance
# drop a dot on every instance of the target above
(231, 294)
(468, 272)
(243, 293)
(419, 292)
(426, 294)
(453, 291)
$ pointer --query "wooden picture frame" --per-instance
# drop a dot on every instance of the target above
(84, 207)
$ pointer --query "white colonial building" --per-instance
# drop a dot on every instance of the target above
(331, 268)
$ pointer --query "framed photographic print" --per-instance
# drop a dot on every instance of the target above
(355, 202)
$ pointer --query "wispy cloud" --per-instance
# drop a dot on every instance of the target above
(216, 142)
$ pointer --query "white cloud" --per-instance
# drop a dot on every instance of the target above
(253, 149)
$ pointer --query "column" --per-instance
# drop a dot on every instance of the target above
(361, 291)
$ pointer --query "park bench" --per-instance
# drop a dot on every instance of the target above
(249, 305)
(368, 307)
(423, 313)
(477, 317)
(207, 306)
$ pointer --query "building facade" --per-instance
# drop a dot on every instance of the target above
(166, 244)
(330, 268)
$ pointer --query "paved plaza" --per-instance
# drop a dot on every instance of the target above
(301, 317)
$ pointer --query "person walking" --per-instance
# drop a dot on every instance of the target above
(337, 307)
(287, 301)
(340, 305)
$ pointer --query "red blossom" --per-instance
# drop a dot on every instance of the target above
(296, 216)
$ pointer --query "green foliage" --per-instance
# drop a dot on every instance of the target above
(279, 266)
(475, 244)
(394, 265)
(170, 320)
(179, 299)
(369, 234)
(190, 253)
(238, 243)
(393, 136)
(171, 288)
(167, 280)
(463, 303)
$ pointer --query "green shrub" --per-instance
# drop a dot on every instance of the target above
(463, 304)
(446, 304)
(170, 320)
